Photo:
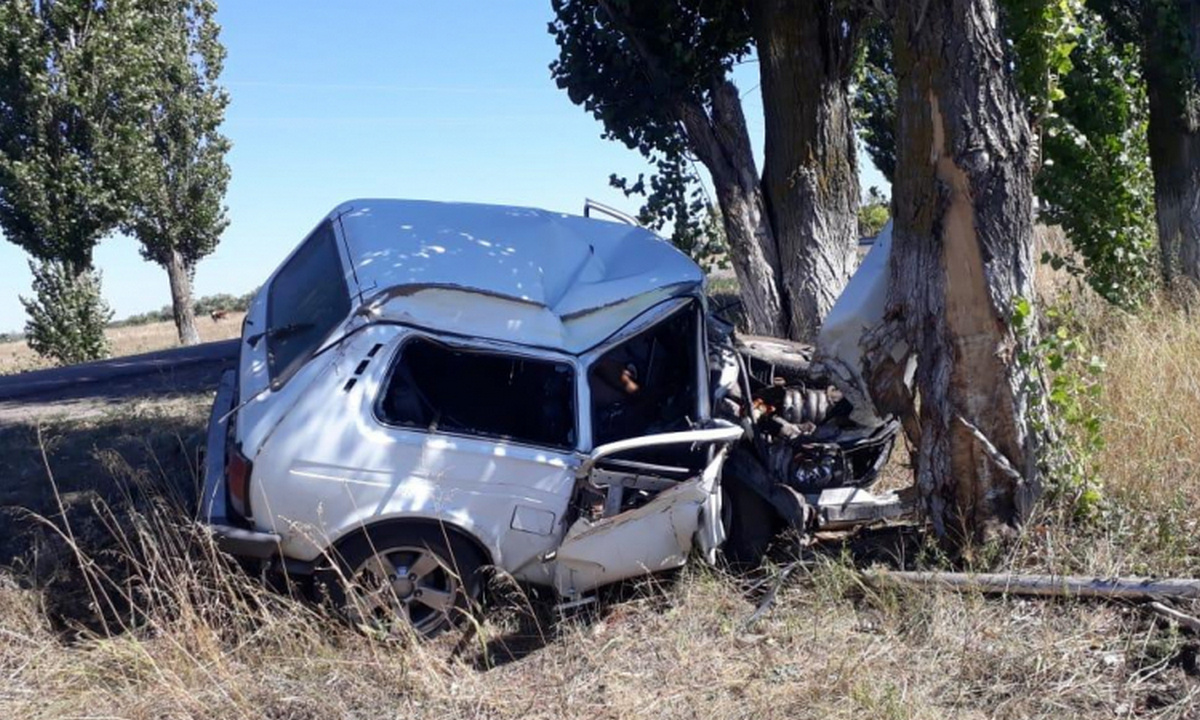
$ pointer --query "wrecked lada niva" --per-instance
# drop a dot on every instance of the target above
(425, 389)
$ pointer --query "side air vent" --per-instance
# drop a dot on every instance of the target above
(362, 367)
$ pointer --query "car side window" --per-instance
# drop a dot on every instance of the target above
(438, 387)
(306, 301)
(647, 384)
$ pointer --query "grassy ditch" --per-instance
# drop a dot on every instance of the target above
(112, 602)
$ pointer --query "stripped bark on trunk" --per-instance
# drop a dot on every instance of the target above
(962, 203)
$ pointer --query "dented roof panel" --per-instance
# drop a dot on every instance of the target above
(542, 278)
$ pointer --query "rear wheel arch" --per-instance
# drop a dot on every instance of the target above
(443, 527)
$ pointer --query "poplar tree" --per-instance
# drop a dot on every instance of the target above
(178, 211)
(69, 74)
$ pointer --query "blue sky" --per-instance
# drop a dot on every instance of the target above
(332, 101)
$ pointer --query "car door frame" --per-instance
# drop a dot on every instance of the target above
(686, 512)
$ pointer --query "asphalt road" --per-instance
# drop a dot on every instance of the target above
(96, 384)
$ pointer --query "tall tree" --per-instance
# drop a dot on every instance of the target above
(66, 83)
(961, 260)
(1086, 104)
(1168, 33)
(178, 212)
(656, 76)
(806, 53)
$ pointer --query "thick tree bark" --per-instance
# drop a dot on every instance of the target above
(810, 176)
(180, 276)
(1174, 140)
(963, 232)
(722, 142)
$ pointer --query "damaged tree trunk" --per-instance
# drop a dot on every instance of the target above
(962, 202)
(810, 176)
(1173, 136)
(180, 277)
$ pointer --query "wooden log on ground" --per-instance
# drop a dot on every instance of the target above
(1047, 585)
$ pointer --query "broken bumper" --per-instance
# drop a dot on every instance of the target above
(231, 539)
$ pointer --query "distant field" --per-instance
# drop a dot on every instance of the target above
(17, 357)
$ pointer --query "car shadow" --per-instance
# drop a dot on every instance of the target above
(72, 493)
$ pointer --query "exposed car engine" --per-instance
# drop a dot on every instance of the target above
(800, 423)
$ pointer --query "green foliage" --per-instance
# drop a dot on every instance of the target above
(603, 62)
(632, 72)
(1087, 102)
(1096, 180)
(676, 198)
(182, 178)
(1163, 33)
(1063, 378)
(69, 74)
(874, 213)
(875, 97)
(1044, 33)
(67, 315)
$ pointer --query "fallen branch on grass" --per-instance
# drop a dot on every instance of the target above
(1170, 613)
(1047, 585)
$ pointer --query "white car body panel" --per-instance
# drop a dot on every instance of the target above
(548, 279)
(656, 536)
(858, 310)
(261, 406)
(330, 468)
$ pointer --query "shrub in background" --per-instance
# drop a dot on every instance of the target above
(67, 315)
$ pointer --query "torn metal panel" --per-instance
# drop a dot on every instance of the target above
(858, 310)
(841, 508)
(656, 536)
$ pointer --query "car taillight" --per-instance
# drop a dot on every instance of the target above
(237, 481)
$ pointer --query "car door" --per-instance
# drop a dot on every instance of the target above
(652, 479)
(484, 436)
(683, 513)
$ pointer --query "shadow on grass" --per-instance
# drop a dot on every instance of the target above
(71, 487)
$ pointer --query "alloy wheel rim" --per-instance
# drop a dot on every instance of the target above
(406, 584)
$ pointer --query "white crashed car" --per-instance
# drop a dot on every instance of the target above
(425, 389)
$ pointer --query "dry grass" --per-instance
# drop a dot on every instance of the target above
(17, 357)
(184, 635)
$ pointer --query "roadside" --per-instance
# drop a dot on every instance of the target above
(90, 389)
(16, 357)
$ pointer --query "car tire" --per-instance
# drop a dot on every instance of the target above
(751, 524)
(428, 577)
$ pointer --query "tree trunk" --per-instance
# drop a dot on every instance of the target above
(1174, 137)
(961, 257)
(810, 177)
(180, 276)
(718, 136)
(722, 142)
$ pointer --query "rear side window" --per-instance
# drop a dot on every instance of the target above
(437, 387)
(307, 299)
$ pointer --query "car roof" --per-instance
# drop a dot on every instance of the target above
(516, 274)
